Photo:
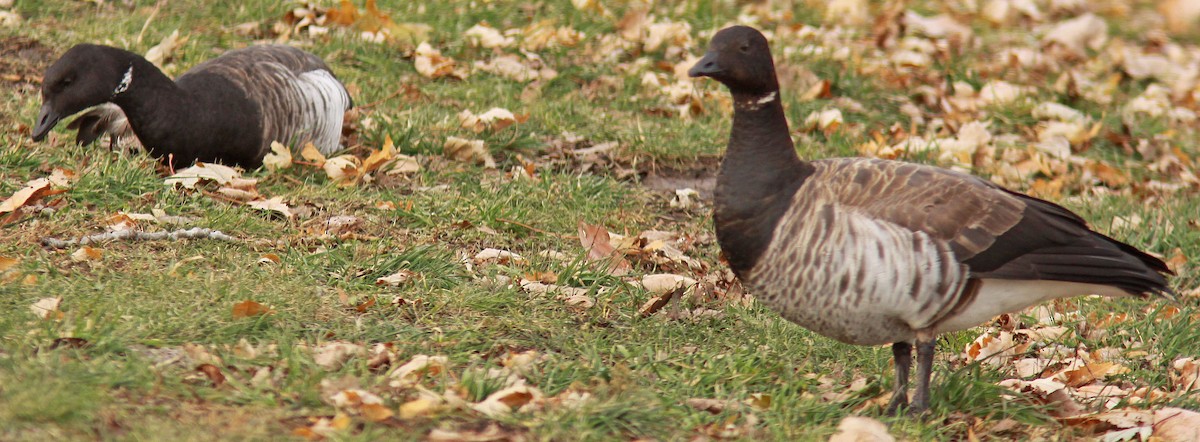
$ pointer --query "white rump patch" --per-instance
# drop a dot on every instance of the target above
(998, 296)
(326, 103)
(126, 80)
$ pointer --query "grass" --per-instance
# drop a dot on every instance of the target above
(144, 300)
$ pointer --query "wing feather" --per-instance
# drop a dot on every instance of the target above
(997, 233)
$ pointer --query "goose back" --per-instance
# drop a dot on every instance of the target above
(297, 95)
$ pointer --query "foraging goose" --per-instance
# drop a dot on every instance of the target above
(228, 109)
(870, 252)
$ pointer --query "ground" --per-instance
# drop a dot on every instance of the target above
(360, 297)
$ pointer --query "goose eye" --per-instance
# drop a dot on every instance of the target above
(745, 47)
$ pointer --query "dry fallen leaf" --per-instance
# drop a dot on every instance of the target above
(213, 373)
(86, 253)
(418, 408)
(507, 400)
(596, 240)
(400, 277)
(310, 153)
(343, 169)
(472, 151)
(408, 374)
(379, 157)
(430, 62)
(191, 176)
(332, 355)
(861, 429)
(279, 158)
(31, 193)
(275, 204)
(165, 49)
(494, 119)
(47, 308)
(246, 309)
(497, 256)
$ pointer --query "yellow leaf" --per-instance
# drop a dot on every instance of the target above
(376, 412)
(380, 157)
(311, 154)
(761, 401)
(340, 422)
(417, 408)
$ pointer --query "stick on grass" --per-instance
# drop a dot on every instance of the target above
(135, 235)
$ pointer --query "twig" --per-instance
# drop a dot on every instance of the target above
(535, 229)
(149, 19)
(134, 235)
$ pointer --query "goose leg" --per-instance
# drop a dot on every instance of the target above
(925, 349)
(902, 355)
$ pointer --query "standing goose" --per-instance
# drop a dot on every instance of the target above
(227, 110)
(870, 252)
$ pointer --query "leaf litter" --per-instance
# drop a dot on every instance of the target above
(955, 123)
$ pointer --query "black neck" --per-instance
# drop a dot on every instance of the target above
(154, 105)
(758, 178)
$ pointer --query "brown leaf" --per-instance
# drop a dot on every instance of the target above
(213, 373)
(31, 193)
(362, 308)
(345, 14)
(246, 309)
(595, 239)
(1090, 371)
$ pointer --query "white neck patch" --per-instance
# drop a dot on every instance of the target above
(761, 101)
(758, 104)
(125, 82)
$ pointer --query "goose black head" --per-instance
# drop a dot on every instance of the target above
(85, 76)
(740, 58)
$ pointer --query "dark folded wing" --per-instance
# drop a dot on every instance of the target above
(995, 232)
